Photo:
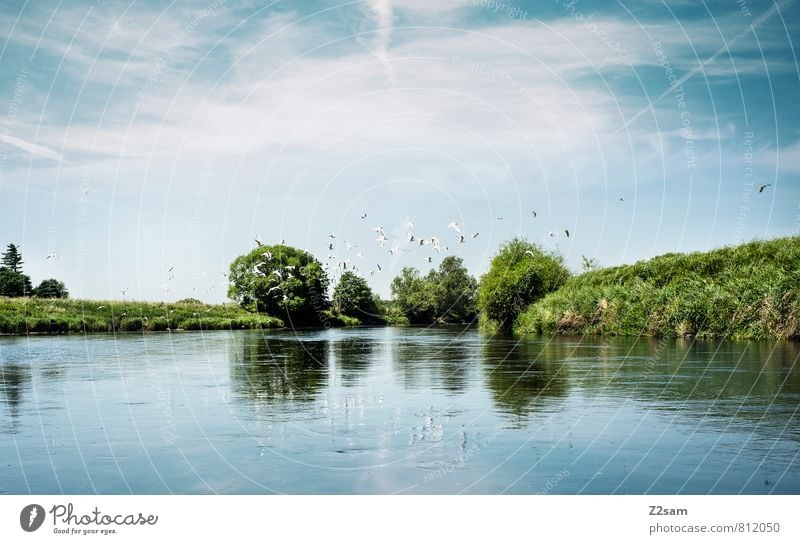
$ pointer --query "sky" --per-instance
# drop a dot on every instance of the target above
(139, 137)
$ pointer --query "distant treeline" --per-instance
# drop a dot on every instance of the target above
(747, 291)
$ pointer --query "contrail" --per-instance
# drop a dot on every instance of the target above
(382, 15)
(755, 24)
(33, 149)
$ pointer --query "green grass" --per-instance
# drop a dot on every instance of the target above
(749, 291)
(56, 316)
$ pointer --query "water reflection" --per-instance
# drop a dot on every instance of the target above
(526, 375)
(14, 380)
(275, 369)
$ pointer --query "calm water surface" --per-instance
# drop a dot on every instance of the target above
(395, 410)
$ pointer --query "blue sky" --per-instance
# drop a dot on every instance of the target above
(135, 137)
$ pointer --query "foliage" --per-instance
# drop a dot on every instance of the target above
(414, 296)
(12, 259)
(51, 288)
(14, 284)
(746, 291)
(35, 315)
(353, 297)
(280, 280)
(519, 274)
(447, 294)
(455, 290)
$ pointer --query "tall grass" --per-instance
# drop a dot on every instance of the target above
(747, 291)
(55, 316)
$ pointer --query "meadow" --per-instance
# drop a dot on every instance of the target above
(55, 316)
(750, 291)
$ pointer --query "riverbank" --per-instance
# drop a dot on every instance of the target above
(58, 316)
(751, 291)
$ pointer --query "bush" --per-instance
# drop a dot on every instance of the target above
(519, 274)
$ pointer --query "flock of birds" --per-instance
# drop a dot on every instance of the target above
(383, 240)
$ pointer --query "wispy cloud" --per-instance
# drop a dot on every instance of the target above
(33, 149)
(382, 15)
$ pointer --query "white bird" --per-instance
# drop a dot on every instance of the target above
(380, 231)
(461, 239)
(359, 254)
(394, 250)
(379, 268)
(330, 247)
(455, 227)
(267, 255)
(409, 225)
(430, 259)
(331, 236)
(348, 245)
(500, 218)
(124, 291)
(410, 238)
(475, 235)
(258, 241)
(534, 213)
(363, 216)
(382, 240)
(53, 256)
(529, 252)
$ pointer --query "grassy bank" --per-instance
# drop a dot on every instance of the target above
(56, 316)
(747, 291)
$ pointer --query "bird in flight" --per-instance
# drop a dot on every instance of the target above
(363, 216)
(258, 241)
(534, 213)
(761, 189)
(567, 232)
(54, 256)
(430, 259)
(500, 218)
(455, 227)
(475, 235)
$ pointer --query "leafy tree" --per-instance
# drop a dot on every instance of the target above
(12, 259)
(415, 296)
(14, 284)
(352, 296)
(455, 290)
(519, 274)
(51, 288)
(280, 280)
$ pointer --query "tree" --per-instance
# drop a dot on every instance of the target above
(415, 296)
(51, 288)
(455, 290)
(352, 296)
(519, 274)
(280, 281)
(12, 259)
(14, 284)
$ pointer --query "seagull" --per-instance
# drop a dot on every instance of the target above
(421, 242)
(410, 238)
(331, 236)
(461, 239)
(53, 256)
(475, 235)
(330, 247)
(621, 199)
(534, 213)
(359, 254)
(363, 216)
(394, 250)
(382, 240)
(380, 231)
(500, 218)
(761, 189)
(552, 233)
(124, 291)
(258, 241)
(430, 259)
(455, 227)
(567, 232)
(529, 252)
(348, 245)
(379, 268)
(170, 269)
(100, 307)
(409, 225)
